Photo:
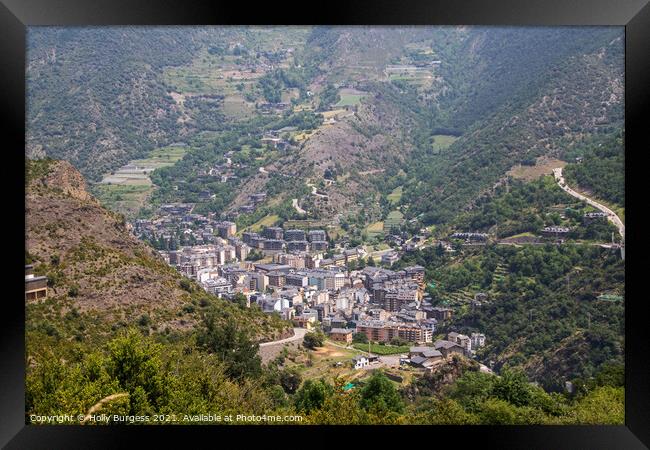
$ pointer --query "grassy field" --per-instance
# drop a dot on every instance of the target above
(520, 235)
(265, 221)
(332, 113)
(543, 166)
(375, 229)
(349, 100)
(304, 135)
(236, 107)
(442, 141)
(208, 74)
(395, 218)
(303, 107)
(324, 363)
(382, 349)
(126, 199)
(162, 157)
(305, 224)
(290, 94)
(126, 190)
(395, 196)
(335, 232)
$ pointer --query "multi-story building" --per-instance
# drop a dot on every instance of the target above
(382, 331)
(273, 233)
(269, 267)
(313, 261)
(257, 197)
(439, 313)
(338, 260)
(394, 299)
(272, 245)
(294, 235)
(323, 310)
(218, 286)
(35, 286)
(341, 335)
(297, 246)
(276, 278)
(351, 255)
(249, 236)
(460, 339)
(241, 250)
(297, 261)
(389, 258)
(304, 321)
(478, 340)
(320, 296)
(226, 229)
(317, 236)
(319, 246)
(415, 273)
(297, 279)
(448, 347)
(257, 281)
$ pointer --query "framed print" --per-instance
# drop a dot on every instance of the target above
(389, 218)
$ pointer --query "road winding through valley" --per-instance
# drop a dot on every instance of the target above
(298, 333)
(611, 215)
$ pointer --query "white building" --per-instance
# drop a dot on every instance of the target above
(360, 362)
(478, 340)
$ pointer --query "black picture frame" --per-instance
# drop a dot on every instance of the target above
(16, 15)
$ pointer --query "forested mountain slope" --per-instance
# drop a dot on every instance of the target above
(94, 96)
(579, 98)
(96, 268)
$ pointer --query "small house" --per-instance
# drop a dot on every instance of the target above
(360, 362)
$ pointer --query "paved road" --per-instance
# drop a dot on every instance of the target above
(298, 333)
(294, 202)
(314, 191)
(611, 215)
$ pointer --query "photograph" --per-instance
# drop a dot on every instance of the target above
(325, 225)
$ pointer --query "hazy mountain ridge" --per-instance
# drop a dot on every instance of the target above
(581, 97)
(94, 96)
(512, 91)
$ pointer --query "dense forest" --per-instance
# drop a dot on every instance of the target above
(192, 376)
(601, 168)
(543, 314)
(519, 208)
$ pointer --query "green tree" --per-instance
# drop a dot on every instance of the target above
(232, 344)
(314, 339)
(290, 380)
(513, 387)
(379, 395)
(604, 406)
(312, 395)
(135, 363)
(472, 389)
(240, 300)
(360, 338)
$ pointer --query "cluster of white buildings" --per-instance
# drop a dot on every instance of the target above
(303, 286)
